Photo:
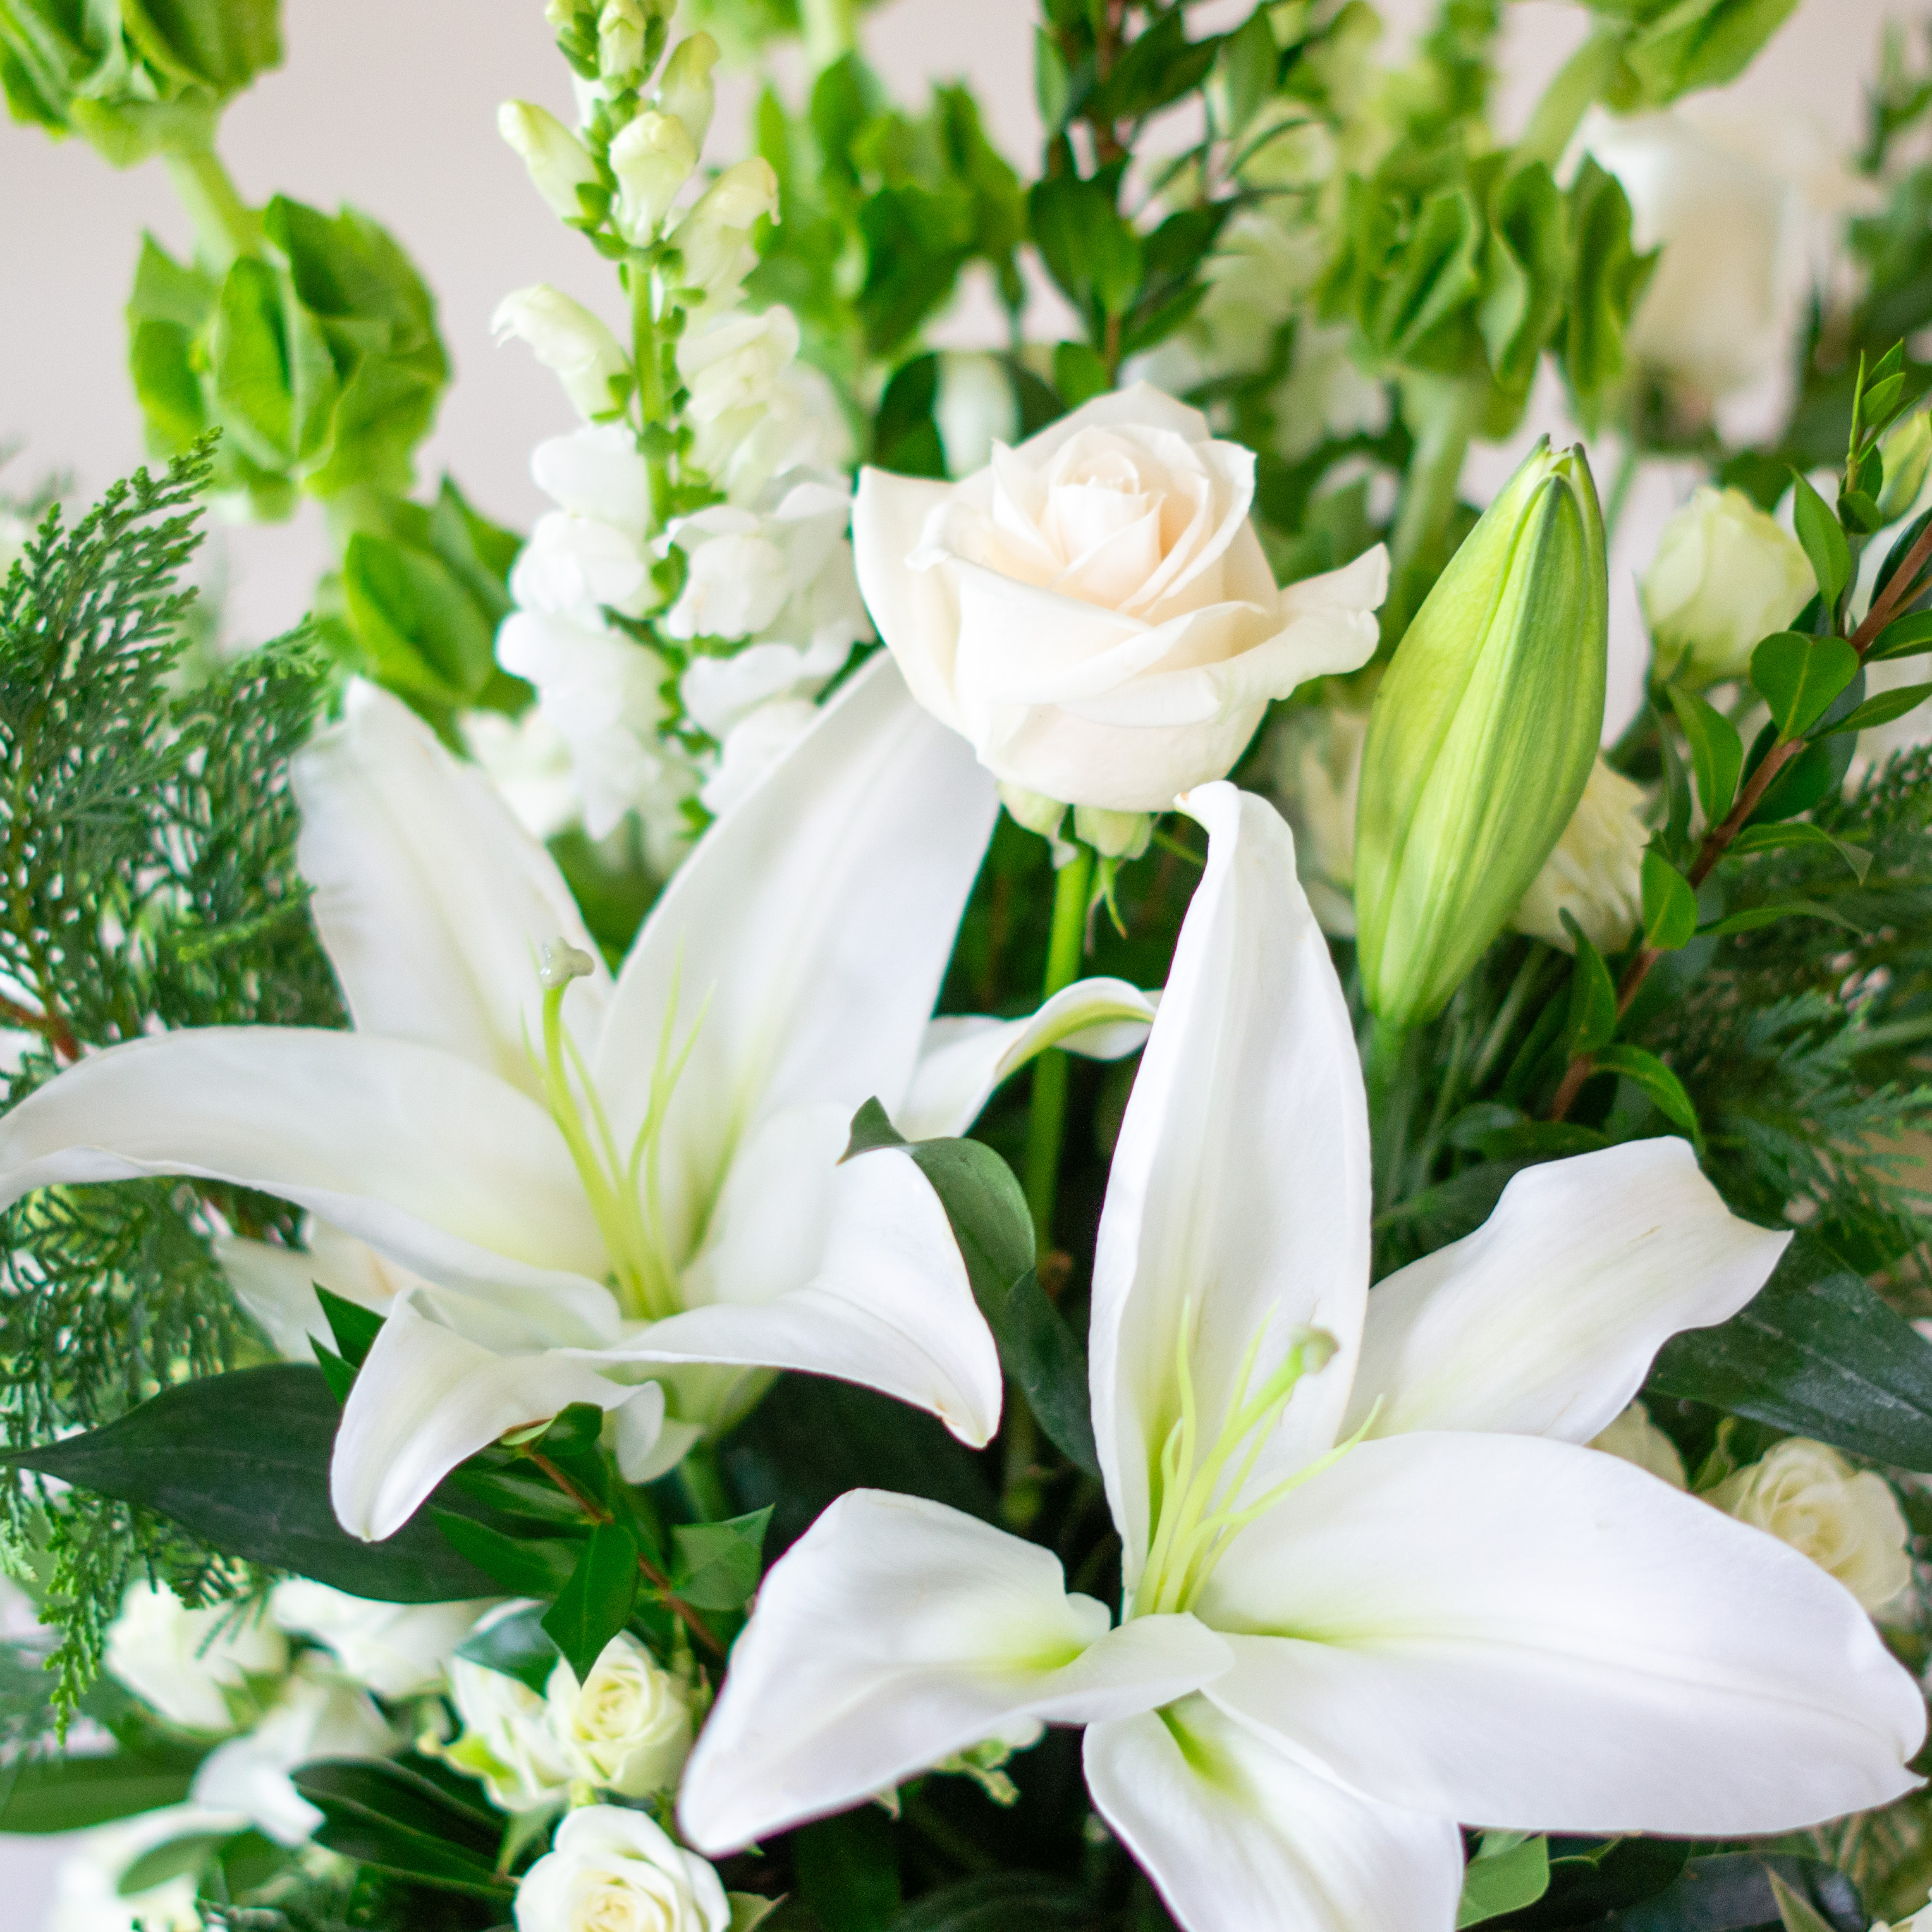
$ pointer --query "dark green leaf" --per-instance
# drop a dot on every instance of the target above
(1716, 752)
(242, 1460)
(1250, 63)
(848, 1871)
(1816, 1352)
(1089, 249)
(1504, 1879)
(1078, 374)
(71, 1794)
(1797, 837)
(1732, 1893)
(1881, 709)
(1669, 905)
(386, 1816)
(518, 1646)
(178, 1858)
(1815, 771)
(1798, 677)
(1593, 996)
(1000, 1901)
(1655, 1078)
(354, 1326)
(1904, 638)
(1753, 918)
(1823, 537)
(715, 1566)
(533, 1567)
(596, 1603)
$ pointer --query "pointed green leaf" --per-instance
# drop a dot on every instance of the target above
(517, 1646)
(1593, 995)
(716, 1566)
(1796, 1914)
(1798, 677)
(1881, 709)
(1669, 905)
(1824, 540)
(1903, 637)
(1655, 1078)
(1717, 751)
(526, 1566)
(1794, 837)
(354, 1326)
(71, 1794)
(1753, 917)
(596, 1602)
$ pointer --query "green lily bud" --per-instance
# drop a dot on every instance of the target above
(1906, 449)
(1482, 738)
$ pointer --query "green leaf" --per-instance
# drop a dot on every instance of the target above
(72, 1794)
(1609, 277)
(179, 1857)
(847, 1869)
(1078, 374)
(1756, 839)
(1088, 248)
(1732, 1892)
(424, 630)
(274, 379)
(1593, 996)
(1817, 1353)
(242, 1460)
(1685, 45)
(396, 1819)
(1881, 709)
(526, 1566)
(596, 1603)
(1513, 1875)
(517, 1646)
(1817, 769)
(1798, 677)
(1905, 637)
(1796, 1914)
(1717, 751)
(715, 1566)
(1656, 1079)
(1000, 1901)
(1669, 905)
(354, 1326)
(1823, 537)
(1753, 918)
(1250, 65)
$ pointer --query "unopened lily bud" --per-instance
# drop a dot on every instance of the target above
(559, 162)
(685, 91)
(1906, 448)
(652, 158)
(1482, 737)
(1725, 577)
(570, 342)
(715, 238)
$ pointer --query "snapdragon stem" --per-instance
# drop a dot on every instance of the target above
(224, 228)
(1046, 1124)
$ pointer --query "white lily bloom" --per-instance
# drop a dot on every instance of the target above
(1373, 1583)
(585, 1191)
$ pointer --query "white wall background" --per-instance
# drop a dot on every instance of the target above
(390, 105)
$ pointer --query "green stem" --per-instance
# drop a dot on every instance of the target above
(831, 31)
(703, 1483)
(646, 354)
(1386, 1073)
(1579, 82)
(1047, 1123)
(224, 228)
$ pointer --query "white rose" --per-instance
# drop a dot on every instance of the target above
(613, 1870)
(570, 342)
(1315, 768)
(1634, 1438)
(397, 1650)
(752, 746)
(506, 1739)
(1094, 612)
(1848, 1521)
(318, 1714)
(1725, 577)
(182, 1662)
(732, 369)
(87, 1895)
(627, 1728)
(1596, 872)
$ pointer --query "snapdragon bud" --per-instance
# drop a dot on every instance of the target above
(570, 342)
(1906, 448)
(653, 157)
(559, 162)
(715, 238)
(1482, 737)
(622, 28)
(685, 91)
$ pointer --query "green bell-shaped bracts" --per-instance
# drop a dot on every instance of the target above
(1482, 737)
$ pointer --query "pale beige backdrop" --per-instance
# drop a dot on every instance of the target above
(390, 105)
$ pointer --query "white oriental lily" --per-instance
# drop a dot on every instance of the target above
(565, 1189)
(1372, 1584)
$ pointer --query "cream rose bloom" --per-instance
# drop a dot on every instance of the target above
(506, 1739)
(613, 1870)
(1847, 1521)
(1634, 1438)
(1094, 611)
(1595, 874)
(628, 1727)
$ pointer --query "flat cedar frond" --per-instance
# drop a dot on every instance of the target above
(147, 882)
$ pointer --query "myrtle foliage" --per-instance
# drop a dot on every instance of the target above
(147, 882)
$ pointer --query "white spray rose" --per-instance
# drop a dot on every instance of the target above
(627, 1728)
(1093, 612)
(507, 1739)
(1725, 577)
(613, 1870)
(732, 369)
(396, 1650)
(183, 1662)
(570, 342)
(1314, 763)
(1596, 872)
(1847, 1521)
(1634, 1438)
(87, 1895)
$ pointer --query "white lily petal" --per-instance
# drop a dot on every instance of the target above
(1546, 1321)
(894, 1632)
(435, 1163)
(890, 1307)
(1237, 1837)
(1240, 1190)
(804, 938)
(426, 1397)
(1543, 1638)
(430, 898)
(965, 1059)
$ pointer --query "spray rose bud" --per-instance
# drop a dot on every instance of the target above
(1482, 737)
(1725, 576)
(653, 157)
(1595, 874)
(570, 342)
(715, 238)
(560, 163)
(1906, 448)
(684, 89)
(627, 1728)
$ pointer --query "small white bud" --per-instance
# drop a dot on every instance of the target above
(620, 39)
(685, 91)
(559, 962)
(715, 238)
(559, 162)
(568, 340)
(652, 158)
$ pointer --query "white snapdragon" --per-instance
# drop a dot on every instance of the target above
(528, 759)
(614, 1870)
(684, 90)
(186, 1663)
(801, 426)
(570, 342)
(732, 369)
(628, 1727)
(653, 157)
(396, 1650)
(1634, 1438)
(1847, 1521)
(715, 238)
(752, 746)
(1595, 872)
(559, 162)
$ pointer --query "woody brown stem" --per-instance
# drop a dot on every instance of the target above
(48, 1025)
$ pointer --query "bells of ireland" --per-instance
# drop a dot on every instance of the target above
(1482, 737)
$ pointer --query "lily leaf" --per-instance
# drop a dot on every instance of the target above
(386, 1816)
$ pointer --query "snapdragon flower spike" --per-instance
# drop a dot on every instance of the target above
(1374, 1585)
(560, 1188)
